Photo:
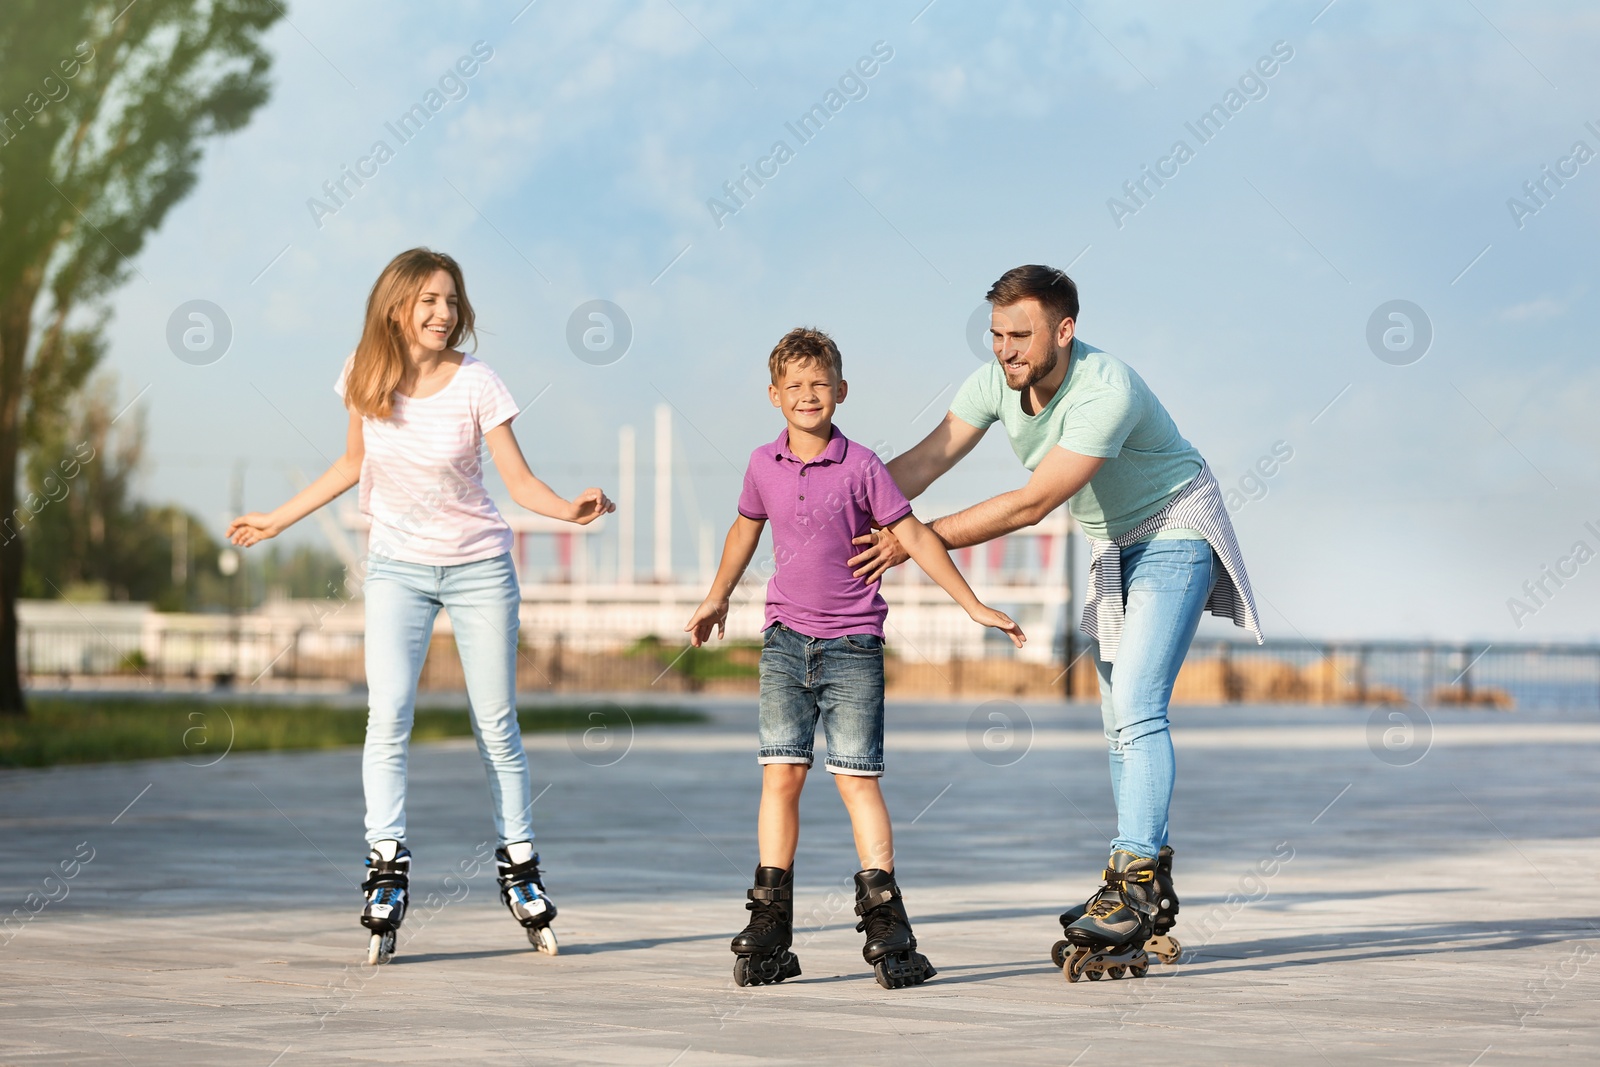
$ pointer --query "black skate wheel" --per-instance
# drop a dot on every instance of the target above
(1116, 972)
(741, 971)
(1138, 969)
(1095, 975)
(1059, 953)
(881, 972)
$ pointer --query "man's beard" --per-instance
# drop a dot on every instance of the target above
(1040, 372)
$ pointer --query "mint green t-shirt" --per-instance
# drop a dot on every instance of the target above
(1104, 409)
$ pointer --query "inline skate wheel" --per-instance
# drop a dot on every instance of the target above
(741, 971)
(1072, 969)
(1138, 969)
(1166, 948)
(1059, 953)
(1116, 972)
(380, 948)
(543, 938)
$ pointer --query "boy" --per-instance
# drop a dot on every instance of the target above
(822, 656)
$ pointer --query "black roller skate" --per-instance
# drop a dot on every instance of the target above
(1108, 939)
(522, 890)
(388, 878)
(1161, 945)
(891, 948)
(762, 947)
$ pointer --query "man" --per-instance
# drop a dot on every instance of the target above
(1163, 551)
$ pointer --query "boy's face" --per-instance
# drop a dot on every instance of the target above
(808, 394)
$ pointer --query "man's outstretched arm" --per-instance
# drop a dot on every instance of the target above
(1057, 478)
(934, 455)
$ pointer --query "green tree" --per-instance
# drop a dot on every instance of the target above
(103, 108)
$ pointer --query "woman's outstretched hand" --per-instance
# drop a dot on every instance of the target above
(246, 530)
(589, 505)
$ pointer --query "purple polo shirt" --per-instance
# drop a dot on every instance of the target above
(816, 509)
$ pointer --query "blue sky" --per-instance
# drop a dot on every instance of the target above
(1375, 164)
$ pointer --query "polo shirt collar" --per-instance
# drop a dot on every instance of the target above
(834, 453)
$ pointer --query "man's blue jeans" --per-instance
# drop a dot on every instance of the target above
(1165, 587)
(402, 600)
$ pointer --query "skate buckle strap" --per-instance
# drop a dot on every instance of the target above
(877, 898)
(772, 895)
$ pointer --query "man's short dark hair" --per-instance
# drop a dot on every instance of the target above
(1055, 291)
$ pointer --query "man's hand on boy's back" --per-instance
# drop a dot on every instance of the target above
(710, 613)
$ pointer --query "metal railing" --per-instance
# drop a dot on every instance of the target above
(277, 654)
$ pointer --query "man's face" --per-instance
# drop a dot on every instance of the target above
(1027, 345)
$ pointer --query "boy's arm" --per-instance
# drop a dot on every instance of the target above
(737, 550)
(925, 547)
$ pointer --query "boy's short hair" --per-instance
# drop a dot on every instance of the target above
(805, 345)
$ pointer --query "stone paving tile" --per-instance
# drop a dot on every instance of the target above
(1443, 912)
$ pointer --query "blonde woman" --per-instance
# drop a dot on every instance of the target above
(421, 411)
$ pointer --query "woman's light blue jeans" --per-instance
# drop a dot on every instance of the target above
(1166, 584)
(402, 600)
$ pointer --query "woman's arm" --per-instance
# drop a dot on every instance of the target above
(529, 492)
(247, 530)
(743, 537)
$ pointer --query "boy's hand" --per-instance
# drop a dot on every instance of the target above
(710, 613)
(589, 505)
(987, 616)
(246, 530)
(885, 552)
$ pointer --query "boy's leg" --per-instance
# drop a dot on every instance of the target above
(400, 608)
(787, 732)
(869, 819)
(482, 600)
(851, 698)
(778, 824)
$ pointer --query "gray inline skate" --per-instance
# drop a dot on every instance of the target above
(1161, 944)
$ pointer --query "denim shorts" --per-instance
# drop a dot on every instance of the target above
(838, 680)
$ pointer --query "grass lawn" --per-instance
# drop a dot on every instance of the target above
(199, 730)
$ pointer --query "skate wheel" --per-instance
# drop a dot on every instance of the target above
(1095, 975)
(881, 973)
(1072, 969)
(543, 938)
(1059, 952)
(1137, 969)
(741, 971)
(380, 948)
(1116, 972)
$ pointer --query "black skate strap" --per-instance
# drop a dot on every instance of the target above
(772, 895)
(877, 898)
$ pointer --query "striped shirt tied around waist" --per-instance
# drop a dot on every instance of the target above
(1198, 507)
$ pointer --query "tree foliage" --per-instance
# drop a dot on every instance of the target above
(104, 105)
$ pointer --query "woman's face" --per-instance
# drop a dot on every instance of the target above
(434, 316)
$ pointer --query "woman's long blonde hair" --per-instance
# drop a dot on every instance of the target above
(380, 361)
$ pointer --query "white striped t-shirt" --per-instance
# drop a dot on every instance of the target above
(422, 477)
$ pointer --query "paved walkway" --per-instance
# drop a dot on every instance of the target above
(1355, 889)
